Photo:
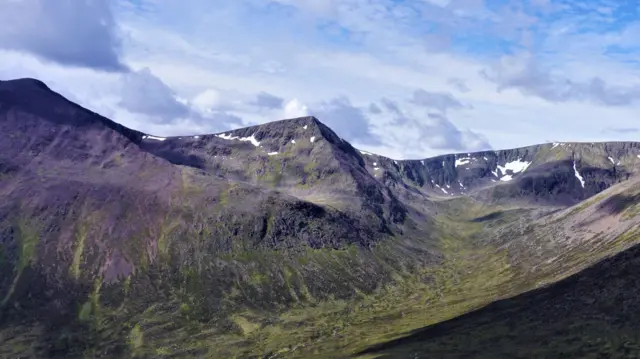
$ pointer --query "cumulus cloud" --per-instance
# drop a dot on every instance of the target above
(440, 101)
(209, 100)
(523, 73)
(434, 130)
(295, 108)
(438, 132)
(374, 109)
(76, 33)
(144, 93)
(347, 120)
(390, 105)
(459, 85)
(266, 100)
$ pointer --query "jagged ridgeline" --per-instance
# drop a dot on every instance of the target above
(278, 240)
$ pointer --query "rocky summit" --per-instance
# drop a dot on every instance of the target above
(282, 240)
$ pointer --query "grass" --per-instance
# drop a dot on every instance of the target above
(589, 315)
(631, 212)
(27, 238)
(340, 324)
(315, 303)
(81, 237)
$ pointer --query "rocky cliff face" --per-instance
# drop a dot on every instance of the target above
(559, 173)
(300, 157)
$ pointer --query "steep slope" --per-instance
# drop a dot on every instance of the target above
(550, 174)
(591, 314)
(97, 225)
(301, 157)
(588, 313)
(278, 240)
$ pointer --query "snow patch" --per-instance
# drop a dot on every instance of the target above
(293, 141)
(462, 161)
(272, 153)
(448, 186)
(305, 127)
(422, 161)
(396, 162)
(612, 161)
(224, 136)
(196, 137)
(485, 158)
(251, 139)
(366, 153)
(313, 138)
(376, 168)
(516, 166)
(578, 174)
(149, 137)
(375, 163)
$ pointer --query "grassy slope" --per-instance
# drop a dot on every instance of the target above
(272, 303)
(592, 317)
(316, 303)
(592, 314)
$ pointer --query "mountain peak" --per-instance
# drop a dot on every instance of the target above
(273, 136)
(24, 83)
(29, 106)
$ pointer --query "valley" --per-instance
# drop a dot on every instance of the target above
(284, 241)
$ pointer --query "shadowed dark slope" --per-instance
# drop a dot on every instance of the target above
(35, 98)
(594, 313)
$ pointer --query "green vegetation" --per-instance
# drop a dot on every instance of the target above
(81, 237)
(304, 302)
(631, 212)
(27, 238)
(136, 337)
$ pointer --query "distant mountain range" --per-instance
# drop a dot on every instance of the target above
(283, 240)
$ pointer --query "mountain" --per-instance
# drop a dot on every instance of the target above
(591, 314)
(277, 240)
(558, 173)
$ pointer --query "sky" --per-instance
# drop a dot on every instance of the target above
(401, 78)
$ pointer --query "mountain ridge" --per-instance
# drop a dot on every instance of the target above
(228, 244)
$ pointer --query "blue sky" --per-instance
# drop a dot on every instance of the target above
(403, 78)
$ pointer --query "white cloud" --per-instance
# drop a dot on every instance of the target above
(144, 93)
(294, 108)
(215, 64)
(208, 100)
